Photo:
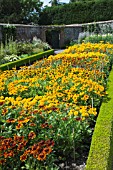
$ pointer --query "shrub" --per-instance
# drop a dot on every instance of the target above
(21, 49)
(77, 12)
(96, 38)
(9, 58)
(38, 44)
(24, 47)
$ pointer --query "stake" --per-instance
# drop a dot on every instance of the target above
(73, 146)
(92, 102)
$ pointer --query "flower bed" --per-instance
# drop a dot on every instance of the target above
(48, 110)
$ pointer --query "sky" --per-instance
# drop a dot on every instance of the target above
(46, 2)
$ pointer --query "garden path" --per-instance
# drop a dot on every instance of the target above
(58, 51)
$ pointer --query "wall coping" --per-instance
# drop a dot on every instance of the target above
(49, 26)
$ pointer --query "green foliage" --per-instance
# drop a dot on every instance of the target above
(38, 44)
(10, 13)
(96, 38)
(9, 58)
(21, 49)
(101, 150)
(77, 12)
(20, 11)
(24, 47)
(10, 48)
(71, 137)
(1, 51)
(30, 10)
(8, 33)
(54, 2)
(97, 28)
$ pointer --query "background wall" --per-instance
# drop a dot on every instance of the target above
(58, 36)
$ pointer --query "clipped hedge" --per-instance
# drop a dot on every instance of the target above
(101, 150)
(26, 60)
(77, 12)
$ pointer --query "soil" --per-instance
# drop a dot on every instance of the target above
(78, 164)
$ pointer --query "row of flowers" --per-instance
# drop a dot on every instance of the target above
(47, 110)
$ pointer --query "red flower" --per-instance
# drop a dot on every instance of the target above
(78, 119)
(36, 152)
(35, 111)
(23, 157)
(47, 150)
(13, 107)
(49, 143)
(41, 143)
(31, 135)
(19, 139)
(54, 108)
(39, 150)
(4, 111)
(1, 103)
(20, 147)
(50, 126)
(44, 125)
(19, 126)
(32, 124)
(34, 148)
(11, 120)
(1, 137)
(2, 161)
(8, 154)
(12, 144)
(64, 118)
(41, 157)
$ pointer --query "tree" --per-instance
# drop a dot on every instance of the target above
(20, 11)
(31, 10)
(54, 2)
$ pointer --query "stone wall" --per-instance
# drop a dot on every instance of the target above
(27, 32)
(65, 33)
(23, 32)
(71, 33)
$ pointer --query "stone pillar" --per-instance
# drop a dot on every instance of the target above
(61, 38)
(43, 34)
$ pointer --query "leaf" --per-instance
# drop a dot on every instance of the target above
(27, 166)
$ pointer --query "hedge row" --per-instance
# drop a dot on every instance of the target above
(101, 150)
(77, 12)
(26, 60)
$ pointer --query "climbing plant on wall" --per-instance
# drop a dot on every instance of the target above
(8, 33)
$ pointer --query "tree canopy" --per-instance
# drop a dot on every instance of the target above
(20, 11)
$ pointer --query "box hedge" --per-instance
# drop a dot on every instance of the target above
(26, 60)
(101, 149)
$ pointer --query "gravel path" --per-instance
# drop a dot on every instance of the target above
(73, 166)
(58, 51)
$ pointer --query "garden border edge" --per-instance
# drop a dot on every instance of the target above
(101, 150)
(26, 60)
